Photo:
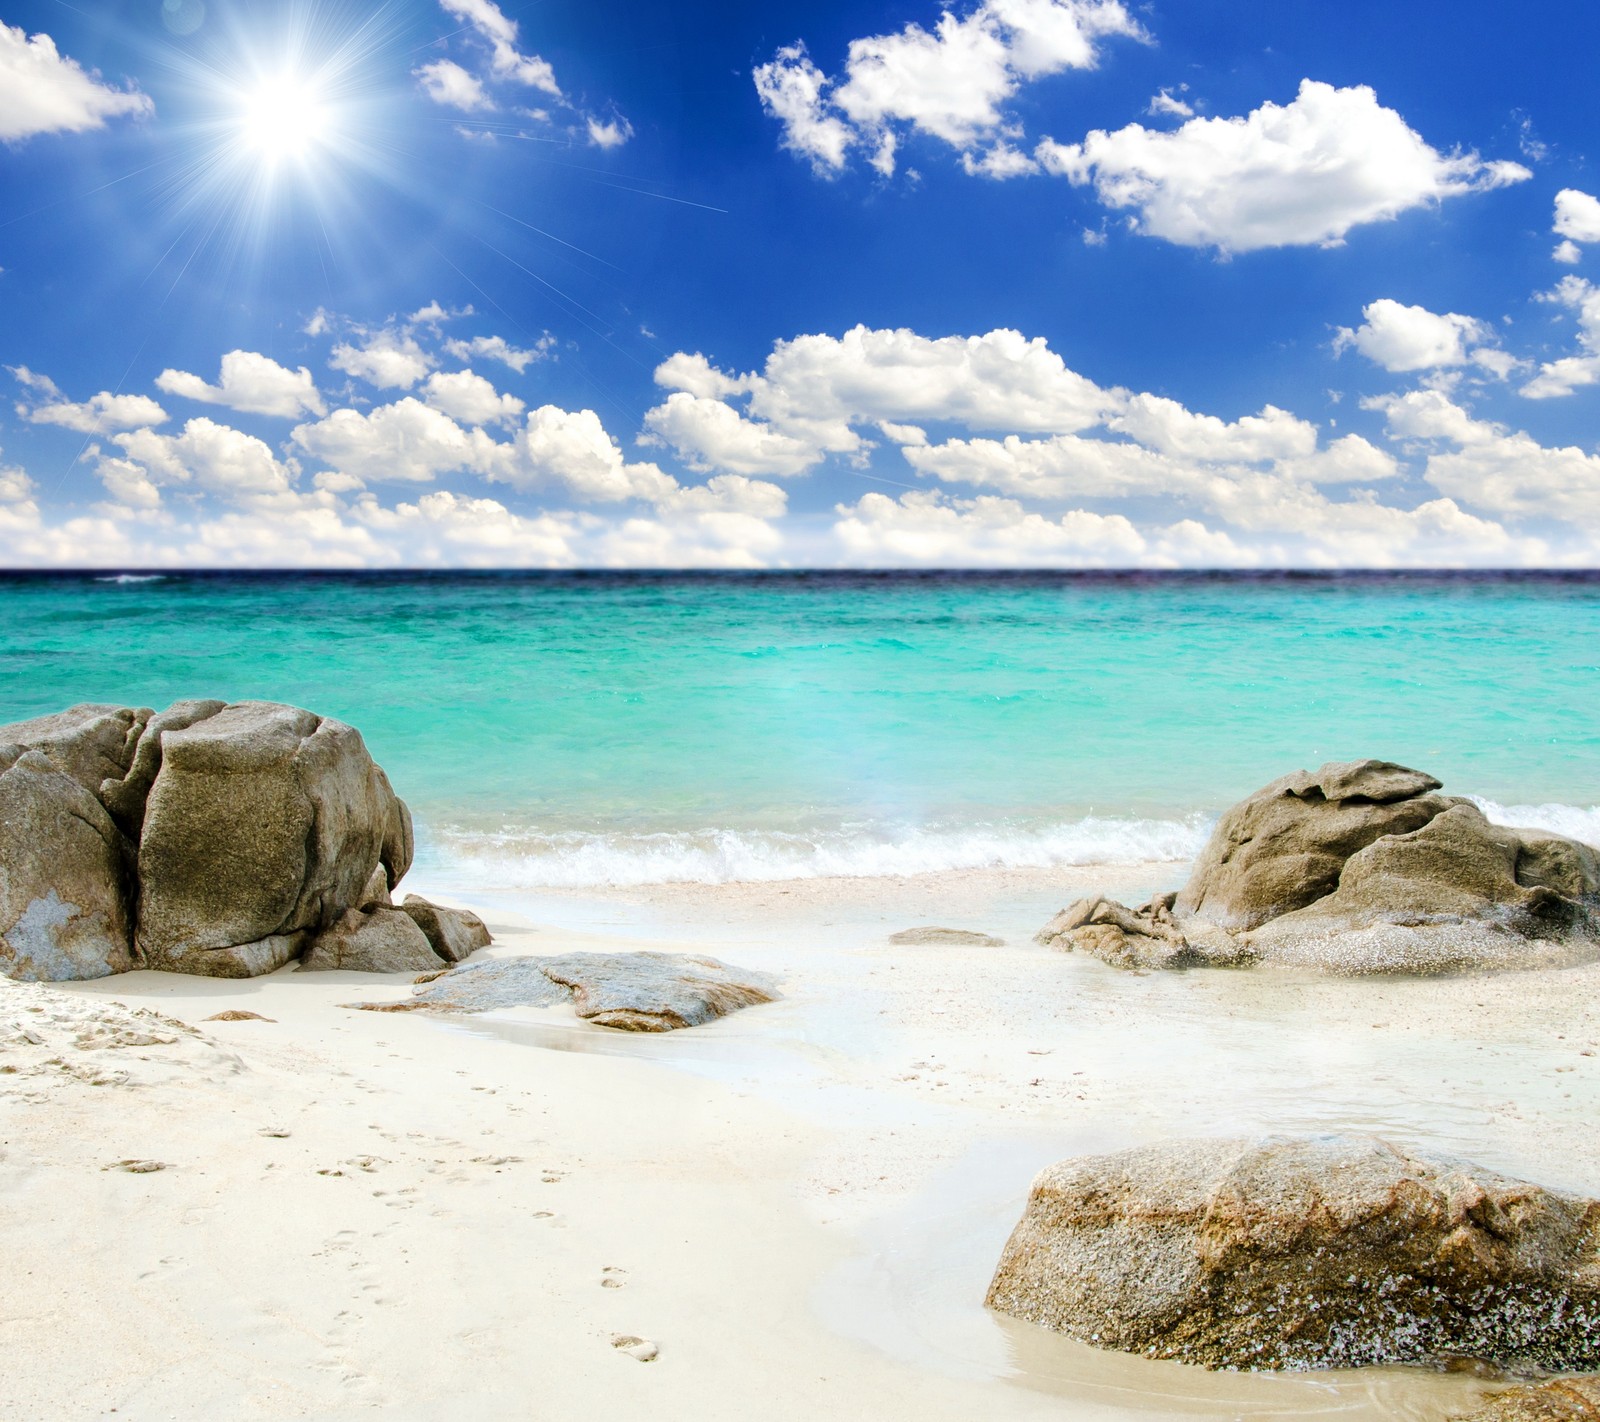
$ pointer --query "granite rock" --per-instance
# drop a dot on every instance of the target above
(1321, 1252)
(375, 940)
(455, 934)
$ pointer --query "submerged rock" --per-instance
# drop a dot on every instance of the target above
(209, 838)
(637, 992)
(1361, 867)
(1564, 1400)
(945, 938)
(1323, 1252)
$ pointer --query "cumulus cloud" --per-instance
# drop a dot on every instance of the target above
(390, 359)
(1297, 174)
(210, 457)
(1561, 377)
(950, 83)
(708, 434)
(1404, 338)
(611, 133)
(1166, 104)
(572, 448)
(406, 440)
(43, 91)
(1577, 216)
(468, 397)
(251, 383)
(497, 348)
(100, 414)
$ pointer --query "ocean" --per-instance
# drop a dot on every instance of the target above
(595, 729)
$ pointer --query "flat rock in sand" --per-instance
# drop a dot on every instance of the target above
(636, 992)
(945, 938)
(1318, 1252)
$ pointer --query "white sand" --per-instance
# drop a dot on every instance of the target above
(798, 1205)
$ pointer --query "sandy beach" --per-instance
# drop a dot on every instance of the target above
(798, 1206)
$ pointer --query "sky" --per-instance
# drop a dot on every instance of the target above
(847, 283)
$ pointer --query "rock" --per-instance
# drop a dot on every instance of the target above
(63, 896)
(262, 827)
(1565, 1400)
(1284, 846)
(238, 1014)
(945, 938)
(92, 743)
(376, 894)
(454, 933)
(1360, 867)
(1457, 893)
(376, 940)
(1322, 1252)
(637, 992)
(1139, 939)
(655, 992)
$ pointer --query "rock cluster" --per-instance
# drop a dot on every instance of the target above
(1360, 867)
(636, 992)
(1564, 1400)
(224, 840)
(1324, 1252)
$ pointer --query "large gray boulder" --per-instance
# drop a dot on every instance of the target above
(225, 837)
(1327, 1252)
(263, 825)
(63, 887)
(1360, 867)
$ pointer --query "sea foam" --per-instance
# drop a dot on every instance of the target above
(529, 860)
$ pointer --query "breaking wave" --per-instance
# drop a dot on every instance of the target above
(1574, 821)
(529, 860)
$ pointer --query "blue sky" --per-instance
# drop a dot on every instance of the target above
(1018, 283)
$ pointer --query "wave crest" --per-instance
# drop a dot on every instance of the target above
(521, 859)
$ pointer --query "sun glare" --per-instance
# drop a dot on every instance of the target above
(284, 118)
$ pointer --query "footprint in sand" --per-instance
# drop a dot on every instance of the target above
(640, 1348)
(611, 1277)
(137, 1167)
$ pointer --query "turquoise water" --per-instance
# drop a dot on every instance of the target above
(592, 729)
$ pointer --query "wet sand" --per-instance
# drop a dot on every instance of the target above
(799, 1205)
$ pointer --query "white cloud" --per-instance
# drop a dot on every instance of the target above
(499, 349)
(252, 384)
(406, 440)
(507, 61)
(1167, 105)
(100, 414)
(388, 358)
(446, 82)
(128, 484)
(572, 448)
(1577, 216)
(43, 91)
(33, 380)
(951, 83)
(1568, 253)
(708, 434)
(1506, 472)
(1401, 338)
(468, 397)
(1284, 175)
(1002, 161)
(696, 375)
(927, 528)
(211, 457)
(1561, 377)
(1166, 426)
(613, 133)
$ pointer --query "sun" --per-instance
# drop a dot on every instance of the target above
(284, 118)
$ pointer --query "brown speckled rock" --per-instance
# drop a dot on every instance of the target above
(375, 940)
(1322, 1252)
(455, 934)
(1564, 1400)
